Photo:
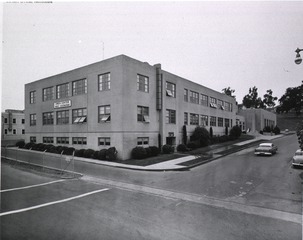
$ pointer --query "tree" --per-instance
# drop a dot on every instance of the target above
(292, 99)
(268, 99)
(202, 135)
(184, 135)
(251, 100)
(229, 92)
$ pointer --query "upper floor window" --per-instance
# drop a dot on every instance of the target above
(104, 82)
(79, 115)
(228, 106)
(32, 97)
(62, 91)
(213, 102)
(48, 118)
(5, 131)
(48, 94)
(142, 83)
(220, 104)
(14, 120)
(23, 131)
(142, 114)
(104, 113)
(32, 119)
(5, 120)
(194, 97)
(185, 95)
(22, 121)
(14, 131)
(194, 119)
(204, 100)
(79, 87)
(170, 89)
(63, 117)
(185, 118)
(170, 116)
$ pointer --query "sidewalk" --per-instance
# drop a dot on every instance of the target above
(188, 161)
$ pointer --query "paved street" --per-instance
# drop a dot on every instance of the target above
(240, 196)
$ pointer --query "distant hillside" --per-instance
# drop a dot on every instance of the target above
(288, 120)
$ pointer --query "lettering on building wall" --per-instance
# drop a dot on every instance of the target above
(63, 104)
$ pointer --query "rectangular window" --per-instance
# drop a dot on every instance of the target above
(22, 121)
(32, 139)
(194, 119)
(62, 140)
(23, 131)
(79, 140)
(14, 120)
(79, 87)
(220, 104)
(48, 118)
(170, 89)
(62, 91)
(228, 107)
(5, 120)
(79, 115)
(226, 122)
(5, 131)
(32, 119)
(142, 114)
(213, 121)
(185, 95)
(48, 140)
(204, 120)
(220, 122)
(185, 118)
(104, 114)
(194, 97)
(170, 116)
(32, 97)
(104, 141)
(104, 82)
(204, 100)
(142, 141)
(213, 102)
(14, 131)
(63, 117)
(142, 83)
(48, 94)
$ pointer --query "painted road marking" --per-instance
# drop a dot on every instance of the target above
(31, 186)
(234, 206)
(52, 203)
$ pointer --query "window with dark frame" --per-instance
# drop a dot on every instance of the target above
(204, 120)
(62, 91)
(62, 140)
(32, 97)
(79, 115)
(48, 140)
(79, 140)
(170, 89)
(48, 94)
(63, 117)
(226, 122)
(14, 131)
(213, 121)
(32, 119)
(22, 121)
(220, 122)
(48, 118)
(143, 114)
(170, 116)
(33, 139)
(79, 87)
(204, 100)
(104, 114)
(185, 118)
(185, 95)
(194, 119)
(142, 141)
(104, 82)
(5, 120)
(23, 131)
(142, 83)
(194, 97)
(104, 141)
(213, 102)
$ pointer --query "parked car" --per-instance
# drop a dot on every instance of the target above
(266, 149)
(297, 159)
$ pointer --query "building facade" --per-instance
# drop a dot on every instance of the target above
(13, 126)
(123, 103)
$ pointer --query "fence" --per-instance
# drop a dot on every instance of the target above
(63, 165)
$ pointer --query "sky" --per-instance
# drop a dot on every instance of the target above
(236, 44)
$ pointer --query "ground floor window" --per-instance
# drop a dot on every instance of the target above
(62, 140)
(5, 131)
(48, 140)
(104, 141)
(204, 120)
(213, 121)
(79, 140)
(194, 119)
(171, 140)
(142, 141)
(226, 122)
(220, 122)
(32, 139)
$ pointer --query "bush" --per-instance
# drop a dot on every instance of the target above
(111, 153)
(53, 150)
(192, 145)
(235, 132)
(155, 151)
(69, 151)
(102, 154)
(29, 145)
(139, 153)
(20, 144)
(166, 149)
(276, 130)
(201, 135)
(182, 148)
(88, 153)
(79, 153)
(267, 129)
(148, 152)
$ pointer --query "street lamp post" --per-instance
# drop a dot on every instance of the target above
(298, 59)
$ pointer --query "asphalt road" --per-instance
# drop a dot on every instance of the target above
(240, 196)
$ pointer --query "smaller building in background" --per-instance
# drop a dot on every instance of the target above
(12, 127)
(256, 119)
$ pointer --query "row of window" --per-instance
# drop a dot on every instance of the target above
(204, 120)
(195, 97)
(14, 120)
(14, 131)
(102, 141)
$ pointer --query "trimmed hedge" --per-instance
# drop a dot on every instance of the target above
(166, 149)
(20, 144)
(182, 148)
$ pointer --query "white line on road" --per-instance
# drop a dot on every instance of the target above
(31, 186)
(52, 203)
